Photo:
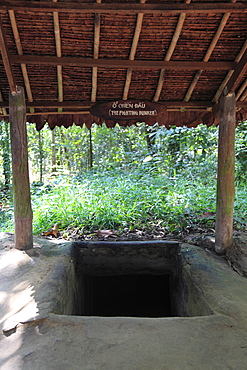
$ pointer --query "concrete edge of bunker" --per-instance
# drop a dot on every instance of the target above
(209, 287)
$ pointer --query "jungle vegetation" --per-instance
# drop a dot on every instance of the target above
(137, 177)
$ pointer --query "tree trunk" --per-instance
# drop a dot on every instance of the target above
(53, 152)
(41, 157)
(90, 152)
(6, 158)
(225, 179)
(21, 185)
(150, 133)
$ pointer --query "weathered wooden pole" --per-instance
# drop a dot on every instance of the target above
(20, 174)
(225, 178)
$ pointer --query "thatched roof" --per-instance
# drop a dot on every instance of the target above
(70, 55)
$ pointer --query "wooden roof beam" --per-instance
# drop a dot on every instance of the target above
(238, 74)
(241, 91)
(229, 74)
(208, 53)
(20, 52)
(94, 84)
(124, 8)
(170, 52)
(121, 63)
(59, 54)
(2, 110)
(136, 37)
(86, 111)
(244, 97)
(88, 104)
(95, 54)
(6, 60)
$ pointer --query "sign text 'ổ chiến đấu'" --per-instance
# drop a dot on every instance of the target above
(126, 110)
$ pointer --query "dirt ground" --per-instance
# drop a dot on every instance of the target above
(32, 337)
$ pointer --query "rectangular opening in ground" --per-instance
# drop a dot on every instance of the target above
(134, 279)
(126, 295)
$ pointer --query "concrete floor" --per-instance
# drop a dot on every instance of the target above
(34, 337)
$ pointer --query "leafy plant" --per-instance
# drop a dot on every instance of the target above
(168, 181)
(132, 199)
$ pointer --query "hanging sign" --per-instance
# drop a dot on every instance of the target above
(126, 110)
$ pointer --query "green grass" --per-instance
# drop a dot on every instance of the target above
(133, 200)
(137, 199)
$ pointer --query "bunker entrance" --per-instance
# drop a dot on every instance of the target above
(134, 279)
(126, 295)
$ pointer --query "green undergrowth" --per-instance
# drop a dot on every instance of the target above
(119, 200)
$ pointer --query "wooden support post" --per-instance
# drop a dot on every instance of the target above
(21, 185)
(225, 179)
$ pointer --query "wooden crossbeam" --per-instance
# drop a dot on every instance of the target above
(6, 60)
(120, 63)
(88, 104)
(169, 107)
(124, 8)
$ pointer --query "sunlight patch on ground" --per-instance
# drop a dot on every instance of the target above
(20, 306)
(12, 260)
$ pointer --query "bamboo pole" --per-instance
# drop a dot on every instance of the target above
(21, 185)
(169, 53)
(225, 178)
(135, 41)
(20, 52)
(95, 54)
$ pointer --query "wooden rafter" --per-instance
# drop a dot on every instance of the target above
(244, 96)
(234, 69)
(170, 52)
(124, 8)
(136, 37)
(20, 52)
(238, 73)
(241, 91)
(59, 54)
(121, 63)
(2, 110)
(95, 54)
(6, 60)
(229, 74)
(208, 53)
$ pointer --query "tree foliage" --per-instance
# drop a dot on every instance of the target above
(123, 176)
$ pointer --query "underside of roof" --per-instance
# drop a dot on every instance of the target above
(68, 56)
